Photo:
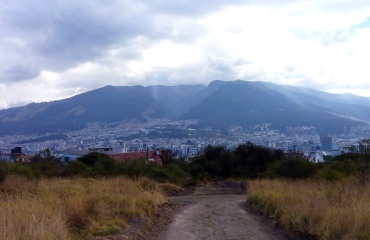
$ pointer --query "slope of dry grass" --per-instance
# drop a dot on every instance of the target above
(326, 210)
(74, 209)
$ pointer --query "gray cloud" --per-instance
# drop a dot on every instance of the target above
(62, 34)
(325, 38)
(201, 73)
(19, 73)
(102, 37)
(58, 35)
(240, 61)
(192, 8)
(343, 6)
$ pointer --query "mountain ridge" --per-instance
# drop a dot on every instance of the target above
(219, 105)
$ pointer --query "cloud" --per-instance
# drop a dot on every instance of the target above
(19, 73)
(190, 8)
(70, 47)
(61, 35)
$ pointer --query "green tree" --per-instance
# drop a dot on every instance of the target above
(364, 163)
(46, 168)
(97, 164)
(292, 168)
(166, 156)
(252, 160)
(75, 168)
(4, 171)
(43, 155)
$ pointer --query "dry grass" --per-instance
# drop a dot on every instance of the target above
(170, 187)
(335, 210)
(74, 209)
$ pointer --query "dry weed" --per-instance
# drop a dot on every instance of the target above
(327, 210)
(74, 208)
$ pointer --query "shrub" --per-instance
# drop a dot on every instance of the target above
(79, 208)
(47, 168)
(320, 209)
(293, 168)
(3, 172)
(75, 168)
(329, 174)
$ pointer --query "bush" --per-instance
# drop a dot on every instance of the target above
(75, 168)
(3, 172)
(293, 168)
(330, 174)
(47, 168)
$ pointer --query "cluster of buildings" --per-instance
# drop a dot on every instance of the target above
(133, 138)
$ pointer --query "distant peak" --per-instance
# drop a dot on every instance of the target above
(217, 83)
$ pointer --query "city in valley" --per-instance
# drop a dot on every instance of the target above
(182, 139)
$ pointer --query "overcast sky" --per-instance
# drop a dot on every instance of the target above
(56, 49)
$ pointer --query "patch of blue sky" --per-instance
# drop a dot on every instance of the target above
(362, 25)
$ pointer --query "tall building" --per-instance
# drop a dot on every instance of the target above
(326, 143)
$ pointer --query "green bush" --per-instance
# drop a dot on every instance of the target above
(46, 168)
(74, 168)
(293, 168)
(3, 171)
(330, 174)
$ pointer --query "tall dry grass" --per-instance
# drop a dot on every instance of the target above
(326, 210)
(74, 209)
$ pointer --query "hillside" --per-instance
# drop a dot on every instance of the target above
(107, 104)
(248, 103)
(219, 105)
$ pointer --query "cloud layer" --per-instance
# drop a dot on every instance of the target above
(55, 49)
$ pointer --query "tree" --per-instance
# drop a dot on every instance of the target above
(364, 165)
(91, 158)
(75, 168)
(166, 156)
(98, 164)
(43, 155)
(355, 163)
(47, 168)
(251, 160)
(293, 168)
(3, 171)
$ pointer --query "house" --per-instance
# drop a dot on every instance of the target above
(16, 155)
(320, 156)
(23, 158)
(150, 156)
(72, 154)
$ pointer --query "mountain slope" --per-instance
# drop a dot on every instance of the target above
(249, 103)
(107, 104)
(219, 105)
(178, 99)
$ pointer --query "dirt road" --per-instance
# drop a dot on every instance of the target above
(221, 216)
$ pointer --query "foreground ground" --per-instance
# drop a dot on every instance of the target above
(214, 212)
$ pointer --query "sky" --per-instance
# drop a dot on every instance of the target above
(56, 49)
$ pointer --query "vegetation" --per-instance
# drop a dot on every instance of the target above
(292, 168)
(95, 165)
(246, 161)
(50, 137)
(78, 208)
(324, 210)
(96, 195)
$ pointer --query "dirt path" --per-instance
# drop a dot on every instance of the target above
(218, 217)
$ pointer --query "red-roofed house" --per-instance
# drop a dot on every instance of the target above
(132, 156)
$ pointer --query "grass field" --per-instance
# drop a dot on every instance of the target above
(74, 209)
(326, 210)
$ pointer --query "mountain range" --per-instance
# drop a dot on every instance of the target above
(219, 105)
